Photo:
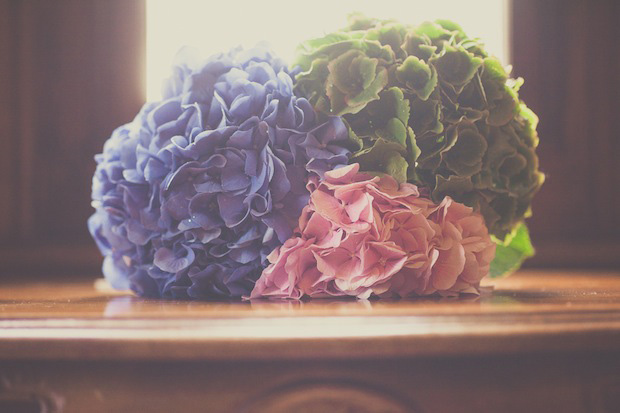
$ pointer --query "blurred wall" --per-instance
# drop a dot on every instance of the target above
(72, 70)
(568, 52)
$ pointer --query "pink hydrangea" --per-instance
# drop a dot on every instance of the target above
(362, 235)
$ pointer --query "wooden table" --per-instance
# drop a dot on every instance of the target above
(537, 341)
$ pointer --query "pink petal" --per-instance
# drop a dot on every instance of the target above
(343, 174)
(448, 267)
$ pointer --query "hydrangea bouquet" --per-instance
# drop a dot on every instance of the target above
(390, 160)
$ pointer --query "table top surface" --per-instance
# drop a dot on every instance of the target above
(531, 311)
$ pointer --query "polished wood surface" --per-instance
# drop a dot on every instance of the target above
(539, 341)
(532, 311)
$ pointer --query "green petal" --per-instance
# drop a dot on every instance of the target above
(465, 156)
(367, 68)
(504, 109)
(417, 76)
(456, 66)
(414, 150)
(384, 157)
(431, 148)
(397, 167)
(310, 83)
(418, 46)
(389, 34)
(502, 99)
(358, 21)
(531, 121)
(332, 47)
(425, 116)
(449, 25)
(494, 70)
(346, 78)
(433, 31)
(353, 81)
(499, 148)
(311, 45)
(392, 104)
(455, 186)
(506, 208)
(394, 130)
(512, 165)
(337, 104)
(386, 117)
(355, 142)
(372, 91)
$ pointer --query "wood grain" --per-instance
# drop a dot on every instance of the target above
(529, 312)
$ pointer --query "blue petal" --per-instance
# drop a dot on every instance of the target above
(166, 259)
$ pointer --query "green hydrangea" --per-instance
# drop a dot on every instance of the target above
(429, 105)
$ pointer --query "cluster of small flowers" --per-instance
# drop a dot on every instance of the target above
(193, 195)
(363, 235)
(245, 181)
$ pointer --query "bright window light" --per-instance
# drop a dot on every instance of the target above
(214, 27)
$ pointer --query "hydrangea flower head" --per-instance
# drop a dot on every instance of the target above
(193, 195)
(429, 106)
(364, 235)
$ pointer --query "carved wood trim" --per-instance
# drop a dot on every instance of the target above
(329, 395)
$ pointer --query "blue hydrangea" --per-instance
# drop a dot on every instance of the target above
(198, 189)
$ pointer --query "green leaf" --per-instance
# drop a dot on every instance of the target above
(511, 252)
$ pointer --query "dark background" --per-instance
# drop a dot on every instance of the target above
(72, 70)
